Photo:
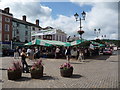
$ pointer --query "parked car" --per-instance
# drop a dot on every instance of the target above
(107, 52)
(7, 52)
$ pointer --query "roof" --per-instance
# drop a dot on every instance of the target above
(25, 22)
(7, 13)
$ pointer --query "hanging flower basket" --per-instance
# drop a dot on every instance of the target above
(36, 70)
(80, 32)
(66, 70)
(15, 72)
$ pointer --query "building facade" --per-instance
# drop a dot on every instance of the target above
(21, 31)
(50, 33)
(6, 25)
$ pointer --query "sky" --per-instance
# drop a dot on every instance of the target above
(60, 14)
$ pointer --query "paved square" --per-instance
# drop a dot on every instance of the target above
(101, 72)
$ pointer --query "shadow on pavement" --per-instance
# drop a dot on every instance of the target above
(76, 76)
(3, 69)
(75, 63)
(23, 79)
(1, 81)
(48, 78)
(103, 57)
(100, 57)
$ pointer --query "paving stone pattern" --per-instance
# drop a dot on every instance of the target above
(101, 72)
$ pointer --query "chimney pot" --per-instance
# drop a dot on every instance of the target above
(37, 22)
(24, 18)
(7, 10)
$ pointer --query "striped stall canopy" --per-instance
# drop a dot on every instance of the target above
(48, 43)
(77, 42)
(38, 42)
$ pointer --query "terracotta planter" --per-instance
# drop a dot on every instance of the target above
(66, 72)
(14, 75)
(36, 74)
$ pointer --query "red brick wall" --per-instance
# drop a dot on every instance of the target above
(3, 27)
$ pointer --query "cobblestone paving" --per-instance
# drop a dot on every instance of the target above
(101, 72)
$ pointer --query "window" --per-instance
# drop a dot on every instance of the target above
(17, 37)
(56, 37)
(47, 37)
(33, 28)
(6, 37)
(33, 37)
(26, 32)
(59, 38)
(7, 19)
(7, 27)
(50, 37)
(17, 31)
(53, 36)
(44, 36)
(26, 26)
(17, 24)
(39, 37)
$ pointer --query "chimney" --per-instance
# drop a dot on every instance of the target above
(24, 18)
(7, 10)
(37, 22)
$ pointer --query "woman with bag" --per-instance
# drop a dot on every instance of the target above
(23, 60)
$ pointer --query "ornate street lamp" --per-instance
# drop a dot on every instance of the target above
(103, 36)
(97, 32)
(80, 19)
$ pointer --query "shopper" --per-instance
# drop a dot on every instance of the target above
(23, 60)
(68, 54)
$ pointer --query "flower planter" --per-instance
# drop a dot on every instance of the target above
(36, 74)
(14, 75)
(66, 72)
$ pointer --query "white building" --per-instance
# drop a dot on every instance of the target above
(49, 33)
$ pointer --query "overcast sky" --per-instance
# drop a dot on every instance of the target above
(103, 15)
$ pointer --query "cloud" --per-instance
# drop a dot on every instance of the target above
(33, 10)
(104, 16)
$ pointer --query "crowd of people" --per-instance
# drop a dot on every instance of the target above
(33, 53)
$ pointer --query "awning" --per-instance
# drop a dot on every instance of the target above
(48, 43)
(77, 42)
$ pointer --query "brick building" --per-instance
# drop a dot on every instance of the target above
(5, 26)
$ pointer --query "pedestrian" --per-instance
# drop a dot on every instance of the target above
(78, 51)
(68, 54)
(81, 56)
(28, 52)
(31, 54)
(19, 50)
(23, 60)
(57, 51)
(16, 53)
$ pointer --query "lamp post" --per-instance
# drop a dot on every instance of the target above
(103, 36)
(80, 19)
(97, 32)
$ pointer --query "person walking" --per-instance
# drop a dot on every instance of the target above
(16, 53)
(81, 56)
(23, 60)
(28, 53)
(68, 54)
(57, 51)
